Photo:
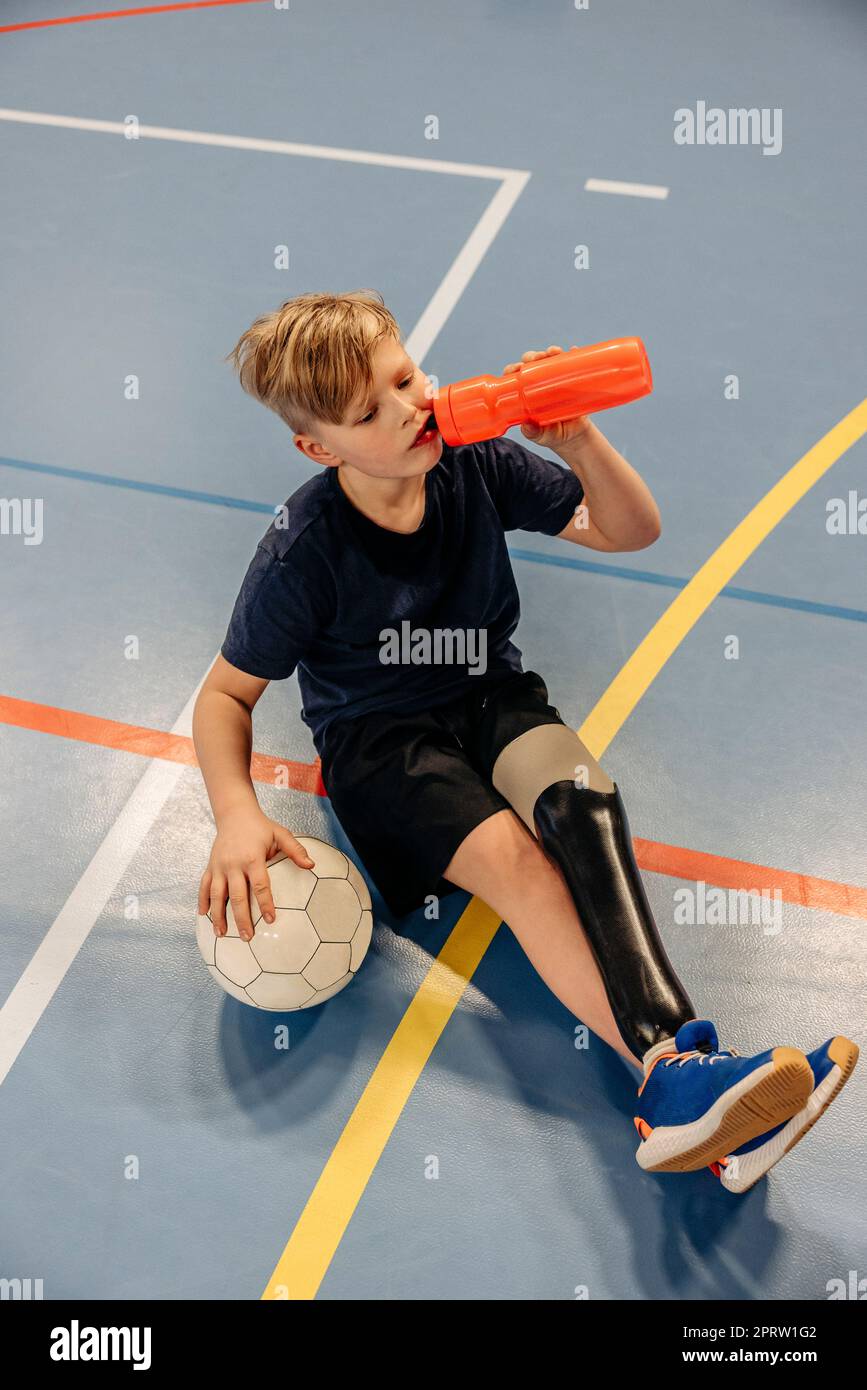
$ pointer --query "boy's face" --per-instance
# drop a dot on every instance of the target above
(378, 433)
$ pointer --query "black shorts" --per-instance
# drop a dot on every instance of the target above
(407, 789)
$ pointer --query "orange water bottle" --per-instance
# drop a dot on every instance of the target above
(577, 382)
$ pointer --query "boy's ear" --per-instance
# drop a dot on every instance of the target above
(311, 449)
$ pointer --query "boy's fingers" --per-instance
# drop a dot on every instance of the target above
(218, 906)
(240, 900)
(290, 846)
(261, 885)
(529, 356)
(204, 893)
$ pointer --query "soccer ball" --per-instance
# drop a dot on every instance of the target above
(322, 926)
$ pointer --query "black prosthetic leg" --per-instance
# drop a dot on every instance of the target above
(586, 833)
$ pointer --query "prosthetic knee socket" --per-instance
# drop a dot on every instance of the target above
(585, 831)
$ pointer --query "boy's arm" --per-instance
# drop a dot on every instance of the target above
(624, 514)
(619, 512)
(223, 735)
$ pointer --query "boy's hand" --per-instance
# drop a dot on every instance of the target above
(562, 431)
(245, 839)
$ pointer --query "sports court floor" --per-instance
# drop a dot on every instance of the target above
(432, 1132)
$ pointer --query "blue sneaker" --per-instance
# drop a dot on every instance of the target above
(831, 1064)
(698, 1102)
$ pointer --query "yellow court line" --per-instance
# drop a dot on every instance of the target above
(610, 713)
(329, 1209)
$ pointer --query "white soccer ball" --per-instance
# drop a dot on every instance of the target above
(320, 935)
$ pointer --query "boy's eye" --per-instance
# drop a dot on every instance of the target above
(373, 412)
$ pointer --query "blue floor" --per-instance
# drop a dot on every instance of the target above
(148, 258)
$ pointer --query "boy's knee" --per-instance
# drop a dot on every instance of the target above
(539, 758)
(513, 839)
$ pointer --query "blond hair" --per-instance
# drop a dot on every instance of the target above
(309, 359)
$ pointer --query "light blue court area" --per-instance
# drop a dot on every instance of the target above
(156, 1143)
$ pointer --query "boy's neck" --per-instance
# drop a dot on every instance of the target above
(398, 504)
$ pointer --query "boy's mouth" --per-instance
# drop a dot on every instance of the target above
(427, 434)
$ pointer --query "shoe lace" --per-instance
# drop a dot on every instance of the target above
(703, 1056)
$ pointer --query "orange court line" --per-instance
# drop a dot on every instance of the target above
(125, 14)
(657, 858)
(149, 743)
(674, 861)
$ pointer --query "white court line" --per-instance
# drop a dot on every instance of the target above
(634, 190)
(463, 267)
(246, 142)
(68, 932)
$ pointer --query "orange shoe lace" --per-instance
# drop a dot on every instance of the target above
(680, 1058)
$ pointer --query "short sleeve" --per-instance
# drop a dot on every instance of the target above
(275, 619)
(530, 493)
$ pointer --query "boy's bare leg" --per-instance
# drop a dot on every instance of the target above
(501, 863)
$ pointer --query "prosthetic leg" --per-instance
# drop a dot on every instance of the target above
(584, 830)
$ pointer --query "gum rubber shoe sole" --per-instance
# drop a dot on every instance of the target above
(770, 1094)
(743, 1170)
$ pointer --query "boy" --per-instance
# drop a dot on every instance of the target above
(456, 772)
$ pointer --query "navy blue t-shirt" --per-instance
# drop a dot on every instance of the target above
(326, 582)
